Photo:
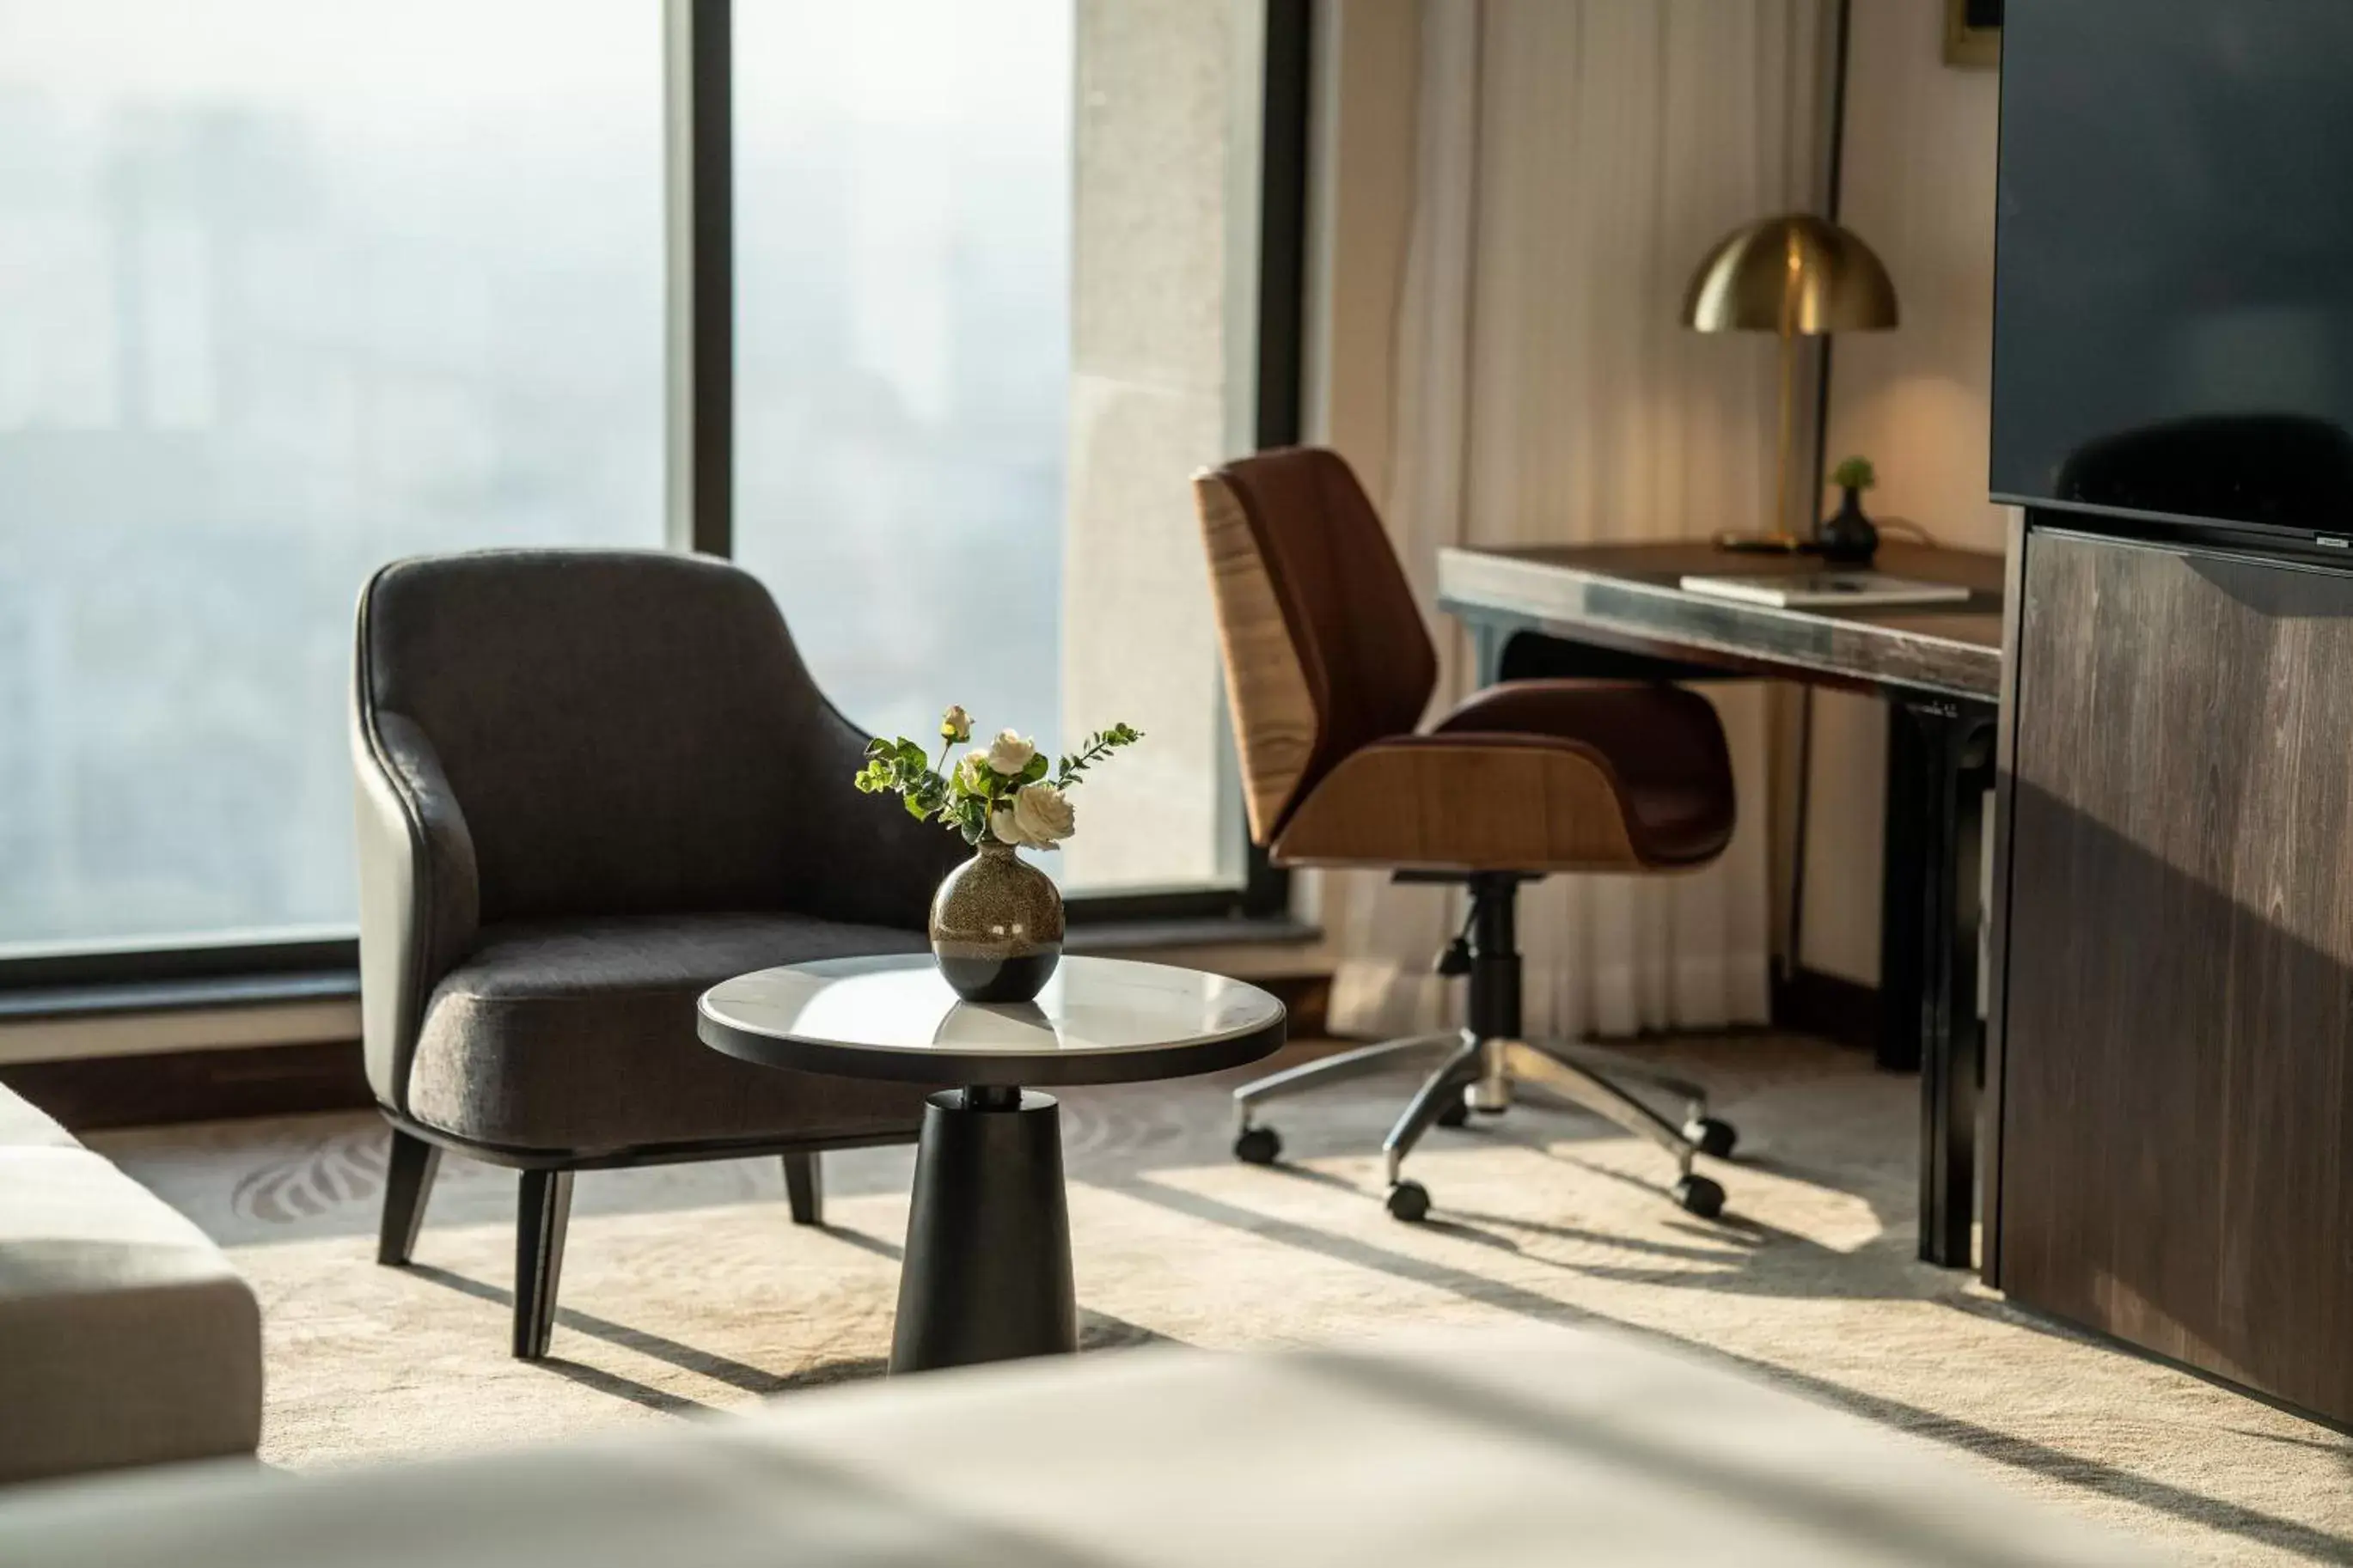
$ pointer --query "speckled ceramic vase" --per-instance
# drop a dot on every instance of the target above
(996, 927)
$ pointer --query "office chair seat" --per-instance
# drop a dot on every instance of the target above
(1532, 776)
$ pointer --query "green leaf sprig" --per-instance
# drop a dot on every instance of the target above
(970, 798)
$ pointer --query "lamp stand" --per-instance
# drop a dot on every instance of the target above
(1783, 540)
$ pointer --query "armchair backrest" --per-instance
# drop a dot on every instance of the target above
(1325, 647)
(623, 731)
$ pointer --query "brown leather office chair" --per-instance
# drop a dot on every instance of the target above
(1328, 669)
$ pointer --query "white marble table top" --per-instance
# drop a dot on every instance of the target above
(1098, 1019)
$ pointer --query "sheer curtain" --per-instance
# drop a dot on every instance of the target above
(1574, 160)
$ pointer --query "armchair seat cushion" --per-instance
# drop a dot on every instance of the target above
(578, 1036)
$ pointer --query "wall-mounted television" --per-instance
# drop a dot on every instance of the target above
(2173, 331)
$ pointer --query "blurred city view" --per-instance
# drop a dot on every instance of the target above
(297, 288)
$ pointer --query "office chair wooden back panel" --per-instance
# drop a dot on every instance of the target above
(1325, 647)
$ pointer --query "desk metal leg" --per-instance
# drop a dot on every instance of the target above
(1913, 801)
(1487, 643)
(1951, 747)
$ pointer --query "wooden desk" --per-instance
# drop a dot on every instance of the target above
(1619, 610)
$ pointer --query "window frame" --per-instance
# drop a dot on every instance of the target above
(698, 202)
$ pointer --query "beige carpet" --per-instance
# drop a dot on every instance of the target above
(688, 1288)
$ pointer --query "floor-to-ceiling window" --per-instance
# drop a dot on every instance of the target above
(996, 297)
(902, 223)
(288, 287)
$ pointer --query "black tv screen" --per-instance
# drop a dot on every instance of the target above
(2173, 331)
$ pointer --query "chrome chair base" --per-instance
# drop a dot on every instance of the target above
(1486, 1076)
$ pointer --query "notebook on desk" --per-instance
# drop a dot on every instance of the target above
(1822, 590)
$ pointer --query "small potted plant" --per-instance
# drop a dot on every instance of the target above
(1847, 536)
(997, 921)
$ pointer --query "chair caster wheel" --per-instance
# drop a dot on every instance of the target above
(1258, 1147)
(1454, 1115)
(1410, 1201)
(1700, 1196)
(1710, 1136)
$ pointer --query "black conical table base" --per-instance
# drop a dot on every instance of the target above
(987, 1274)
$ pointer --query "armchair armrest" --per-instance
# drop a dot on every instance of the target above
(418, 883)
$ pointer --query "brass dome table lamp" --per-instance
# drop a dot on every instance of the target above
(1799, 276)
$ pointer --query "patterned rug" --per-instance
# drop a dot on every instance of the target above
(687, 1288)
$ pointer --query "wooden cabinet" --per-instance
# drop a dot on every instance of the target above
(2176, 1082)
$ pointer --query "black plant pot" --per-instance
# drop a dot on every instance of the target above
(1847, 536)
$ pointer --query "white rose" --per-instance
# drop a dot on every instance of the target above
(956, 724)
(1007, 830)
(1043, 816)
(971, 773)
(1009, 753)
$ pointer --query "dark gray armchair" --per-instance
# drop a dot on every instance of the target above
(593, 783)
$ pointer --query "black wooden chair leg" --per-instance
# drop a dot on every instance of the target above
(541, 1217)
(407, 1182)
(805, 1187)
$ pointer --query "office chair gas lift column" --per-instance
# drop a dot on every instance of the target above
(1329, 667)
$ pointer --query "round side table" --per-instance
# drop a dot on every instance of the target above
(987, 1272)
